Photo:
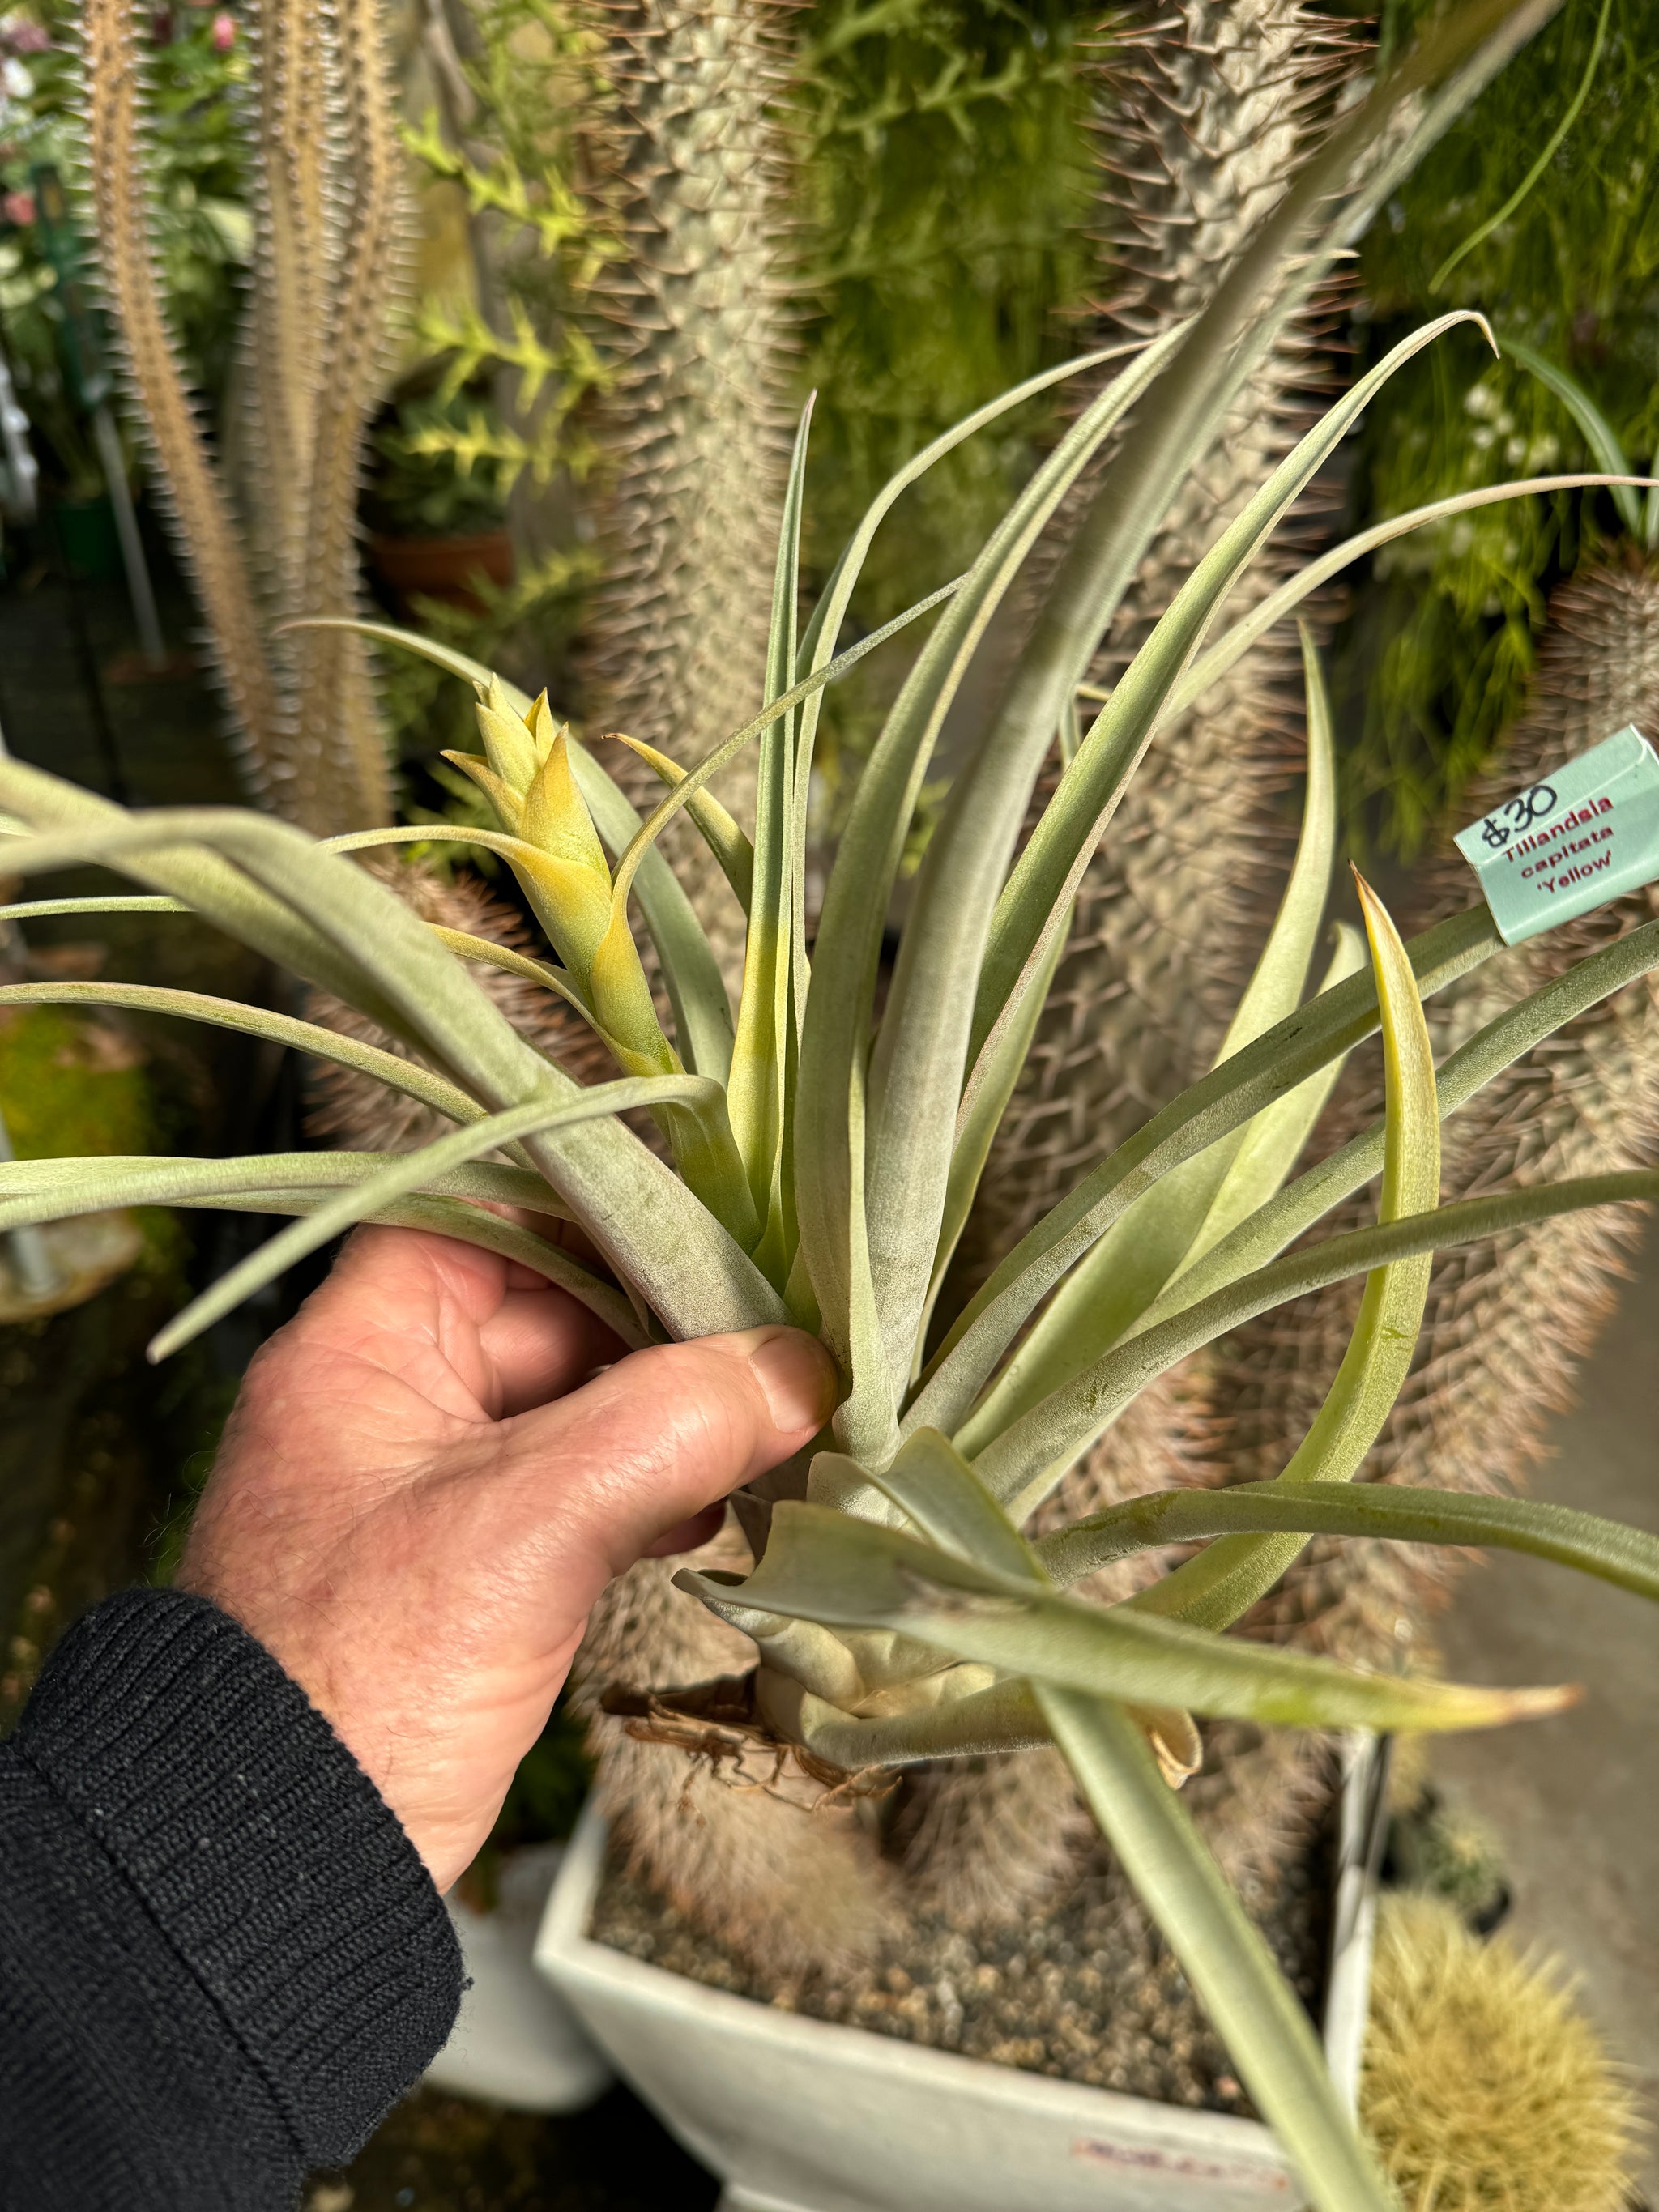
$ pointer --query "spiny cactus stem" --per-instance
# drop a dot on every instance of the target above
(112, 34)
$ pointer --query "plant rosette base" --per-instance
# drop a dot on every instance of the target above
(764, 2097)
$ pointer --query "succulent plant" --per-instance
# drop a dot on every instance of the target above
(1484, 2086)
(1200, 110)
(273, 540)
(689, 165)
(825, 1156)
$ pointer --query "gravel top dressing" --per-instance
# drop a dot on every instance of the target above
(1087, 1992)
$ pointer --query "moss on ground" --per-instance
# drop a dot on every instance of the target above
(69, 1087)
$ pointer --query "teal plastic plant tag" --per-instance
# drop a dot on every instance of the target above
(1558, 849)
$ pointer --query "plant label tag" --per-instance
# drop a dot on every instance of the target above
(1560, 849)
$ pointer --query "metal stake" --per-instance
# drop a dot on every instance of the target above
(126, 530)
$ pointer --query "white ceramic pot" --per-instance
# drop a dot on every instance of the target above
(516, 2041)
(799, 2115)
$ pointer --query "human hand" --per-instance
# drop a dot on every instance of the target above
(420, 1495)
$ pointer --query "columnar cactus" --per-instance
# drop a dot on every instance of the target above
(280, 542)
(688, 162)
(1203, 108)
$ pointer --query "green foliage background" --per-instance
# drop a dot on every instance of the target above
(938, 196)
(1436, 661)
(201, 229)
(944, 190)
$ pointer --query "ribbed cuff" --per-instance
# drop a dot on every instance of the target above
(272, 1864)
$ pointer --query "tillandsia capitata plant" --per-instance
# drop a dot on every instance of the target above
(824, 1156)
(1199, 111)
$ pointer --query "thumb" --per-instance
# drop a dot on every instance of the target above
(665, 1431)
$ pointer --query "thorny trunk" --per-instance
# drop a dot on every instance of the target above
(281, 542)
(1204, 111)
(690, 161)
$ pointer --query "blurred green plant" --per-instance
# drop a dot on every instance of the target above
(1442, 649)
(1450, 1855)
(943, 191)
(444, 467)
(517, 76)
(201, 230)
(69, 1086)
(518, 362)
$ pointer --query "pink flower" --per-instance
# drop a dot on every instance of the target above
(224, 32)
(18, 208)
(22, 36)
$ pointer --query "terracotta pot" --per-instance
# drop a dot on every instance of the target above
(447, 569)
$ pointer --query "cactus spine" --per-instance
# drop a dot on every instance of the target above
(281, 543)
(1484, 2085)
(689, 160)
(1203, 109)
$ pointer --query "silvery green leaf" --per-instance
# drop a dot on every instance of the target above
(299, 1184)
(1210, 665)
(1019, 1468)
(647, 1222)
(1220, 1585)
(386, 1067)
(1222, 1101)
(1385, 1511)
(1040, 889)
(411, 1171)
(1502, 1041)
(1263, 2023)
(1113, 1283)
(824, 1565)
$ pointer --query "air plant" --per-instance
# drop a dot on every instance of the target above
(1507, 1325)
(823, 1159)
(273, 538)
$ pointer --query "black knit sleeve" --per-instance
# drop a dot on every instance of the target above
(220, 1958)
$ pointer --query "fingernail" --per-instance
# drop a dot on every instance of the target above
(797, 1376)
